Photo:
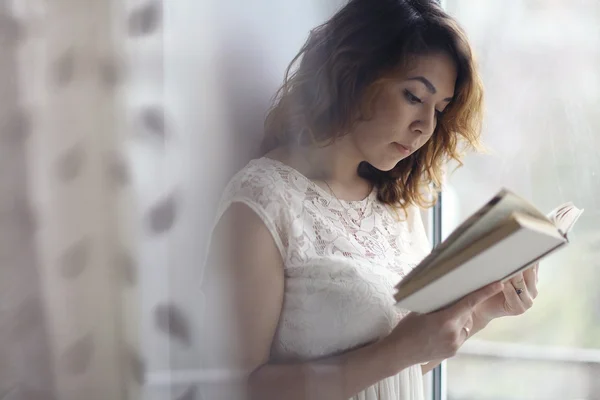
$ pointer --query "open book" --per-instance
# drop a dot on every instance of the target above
(502, 238)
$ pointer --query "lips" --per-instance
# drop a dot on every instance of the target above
(404, 148)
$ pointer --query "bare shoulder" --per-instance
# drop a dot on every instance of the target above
(241, 241)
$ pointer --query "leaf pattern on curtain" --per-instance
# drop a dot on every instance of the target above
(88, 234)
(69, 165)
(162, 215)
(69, 280)
(17, 127)
(75, 259)
(64, 68)
(146, 19)
(77, 357)
(170, 320)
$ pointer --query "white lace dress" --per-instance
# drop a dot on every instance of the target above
(341, 265)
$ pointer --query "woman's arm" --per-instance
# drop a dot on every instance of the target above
(333, 378)
(244, 289)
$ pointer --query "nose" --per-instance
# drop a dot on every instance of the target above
(425, 123)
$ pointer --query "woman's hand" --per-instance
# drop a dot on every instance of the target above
(516, 298)
(420, 338)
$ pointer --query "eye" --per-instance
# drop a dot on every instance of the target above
(411, 97)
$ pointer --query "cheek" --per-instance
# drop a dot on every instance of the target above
(388, 126)
(374, 133)
(393, 113)
(389, 120)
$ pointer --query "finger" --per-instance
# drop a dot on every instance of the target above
(520, 286)
(470, 301)
(518, 281)
(512, 300)
(519, 301)
(526, 299)
(530, 284)
(537, 270)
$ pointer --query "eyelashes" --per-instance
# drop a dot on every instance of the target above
(412, 99)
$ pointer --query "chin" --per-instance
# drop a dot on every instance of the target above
(386, 165)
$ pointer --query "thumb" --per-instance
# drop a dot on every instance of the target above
(470, 301)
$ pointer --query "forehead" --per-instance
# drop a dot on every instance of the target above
(439, 68)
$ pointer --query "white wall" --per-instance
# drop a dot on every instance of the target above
(223, 62)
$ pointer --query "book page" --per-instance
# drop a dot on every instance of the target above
(565, 216)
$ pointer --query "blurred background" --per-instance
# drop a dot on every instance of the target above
(540, 62)
(121, 121)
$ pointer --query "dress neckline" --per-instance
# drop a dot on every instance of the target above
(319, 189)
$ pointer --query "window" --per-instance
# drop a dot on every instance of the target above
(540, 62)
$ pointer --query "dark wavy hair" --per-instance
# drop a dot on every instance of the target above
(342, 67)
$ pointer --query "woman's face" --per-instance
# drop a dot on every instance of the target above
(406, 111)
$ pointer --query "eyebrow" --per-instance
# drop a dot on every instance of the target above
(430, 88)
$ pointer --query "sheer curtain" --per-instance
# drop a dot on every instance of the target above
(120, 121)
(69, 287)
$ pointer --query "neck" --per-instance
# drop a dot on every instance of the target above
(335, 165)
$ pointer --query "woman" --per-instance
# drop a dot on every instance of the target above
(312, 238)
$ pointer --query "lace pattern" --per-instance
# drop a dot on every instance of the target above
(342, 260)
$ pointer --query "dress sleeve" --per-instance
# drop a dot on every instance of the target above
(263, 193)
